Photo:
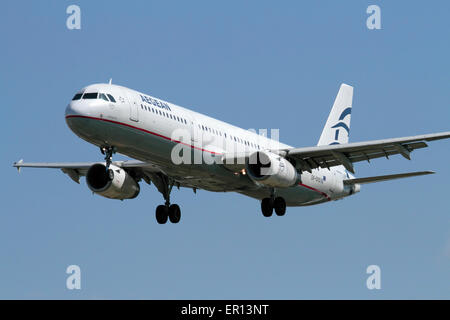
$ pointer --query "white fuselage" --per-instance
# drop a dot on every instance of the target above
(146, 128)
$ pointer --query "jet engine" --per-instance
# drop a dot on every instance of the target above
(271, 170)
(114, 183)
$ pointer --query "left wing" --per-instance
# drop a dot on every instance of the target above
(327, 156)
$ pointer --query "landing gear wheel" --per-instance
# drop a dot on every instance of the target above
(174, 213)
(280, 206)
(267, 207)
(162, 214)
(164, 184)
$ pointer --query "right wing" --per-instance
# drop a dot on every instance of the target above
(77, 169)
(327, 156)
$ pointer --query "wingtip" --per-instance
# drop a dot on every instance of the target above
(17, 165)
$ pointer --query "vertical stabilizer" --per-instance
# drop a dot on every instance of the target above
(337, 127)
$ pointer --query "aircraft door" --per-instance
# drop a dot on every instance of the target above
(194, 129)
(133, 102)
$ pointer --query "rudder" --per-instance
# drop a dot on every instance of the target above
(337, 127)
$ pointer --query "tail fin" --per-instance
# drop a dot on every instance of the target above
(337, 128)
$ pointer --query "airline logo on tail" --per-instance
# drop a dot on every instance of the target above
(337, 127)
(341, 124)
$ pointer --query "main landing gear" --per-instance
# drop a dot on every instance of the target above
(164, 185)
(271, 203)
(166, 211)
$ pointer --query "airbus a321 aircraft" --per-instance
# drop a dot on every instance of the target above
(175, 146)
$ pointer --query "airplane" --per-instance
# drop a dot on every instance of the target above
(174, 146)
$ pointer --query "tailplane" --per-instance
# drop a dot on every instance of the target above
(337, 127)
(385, 178)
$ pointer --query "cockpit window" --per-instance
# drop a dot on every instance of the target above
(111, 98)
(103, 96)
(77, 96)
(90, 95)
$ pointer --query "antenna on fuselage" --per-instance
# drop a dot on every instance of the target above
(110, 80)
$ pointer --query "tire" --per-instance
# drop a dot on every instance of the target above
(266, 207)
(174, 213)
(280, 206)
(161, 214)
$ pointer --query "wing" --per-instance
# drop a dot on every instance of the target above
(346, 154)
(77, 169)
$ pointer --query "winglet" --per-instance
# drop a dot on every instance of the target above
(18, 165)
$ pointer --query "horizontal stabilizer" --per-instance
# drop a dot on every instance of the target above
(385, 178)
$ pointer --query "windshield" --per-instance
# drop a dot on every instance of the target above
(90, 95)
(95, 95)
(77, 96)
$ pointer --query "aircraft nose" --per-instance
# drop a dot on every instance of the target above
(75, 108)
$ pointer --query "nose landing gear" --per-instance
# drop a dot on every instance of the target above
(108, 151)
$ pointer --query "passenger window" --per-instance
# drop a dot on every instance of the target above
(111, 98)
(77, 96)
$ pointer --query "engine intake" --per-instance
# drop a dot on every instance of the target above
(115, 183)
(271, 170)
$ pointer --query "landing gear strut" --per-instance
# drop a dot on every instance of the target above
(166, 211)
(108, 152)
(271, 203)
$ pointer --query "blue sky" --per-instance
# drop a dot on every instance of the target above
(255, 64)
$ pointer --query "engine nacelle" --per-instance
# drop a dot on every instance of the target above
(115, 183)
(271, 170)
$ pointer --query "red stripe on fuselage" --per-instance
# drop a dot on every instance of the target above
(316, 190)
(140, 129)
